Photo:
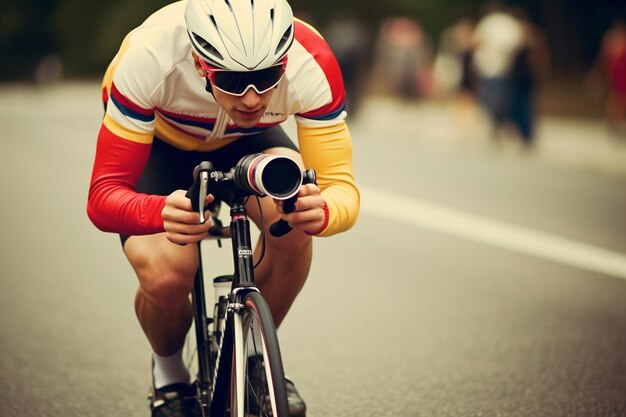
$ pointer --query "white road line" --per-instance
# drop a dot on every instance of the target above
(442, 219)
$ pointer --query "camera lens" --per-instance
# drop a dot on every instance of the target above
(281, 177)
(278, 177)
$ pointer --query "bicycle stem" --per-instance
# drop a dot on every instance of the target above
(242, 245)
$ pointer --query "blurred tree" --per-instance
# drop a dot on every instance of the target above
(90, 32)
(26, 36)
(86, 33)
(83, 34)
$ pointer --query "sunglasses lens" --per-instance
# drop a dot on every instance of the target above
(237, 82)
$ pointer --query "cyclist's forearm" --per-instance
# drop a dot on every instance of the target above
(343, 208)
(328, 150)
(113, 205)
(117, 210)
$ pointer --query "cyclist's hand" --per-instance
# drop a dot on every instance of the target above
(309, 214)
(181, 223)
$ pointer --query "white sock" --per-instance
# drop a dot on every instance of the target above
(169, 370)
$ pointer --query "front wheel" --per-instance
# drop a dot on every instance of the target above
(258, 379)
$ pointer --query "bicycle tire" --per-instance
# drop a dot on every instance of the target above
(258, 380)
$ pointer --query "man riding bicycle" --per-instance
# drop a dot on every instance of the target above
(213, 80)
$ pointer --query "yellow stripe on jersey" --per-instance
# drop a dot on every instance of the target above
(125, 133)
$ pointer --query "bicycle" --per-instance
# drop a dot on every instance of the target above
(231, 380)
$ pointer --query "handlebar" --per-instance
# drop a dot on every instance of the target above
(258, 174)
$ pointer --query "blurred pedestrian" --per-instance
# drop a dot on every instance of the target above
(403, 59)
(498, 40)
(610, 68)
(452, 68)
(530, 66)
(452, 72)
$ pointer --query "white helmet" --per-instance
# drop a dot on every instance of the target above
(240, 35)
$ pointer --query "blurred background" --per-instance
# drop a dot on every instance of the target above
(563, 58)
(414, 48)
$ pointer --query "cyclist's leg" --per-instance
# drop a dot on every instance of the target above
(165, 272)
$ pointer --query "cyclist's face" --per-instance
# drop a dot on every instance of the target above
(247, 110)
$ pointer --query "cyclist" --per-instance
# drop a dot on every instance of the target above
(213, 80)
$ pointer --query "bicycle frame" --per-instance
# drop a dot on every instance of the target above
(209, 379)
(234, 320)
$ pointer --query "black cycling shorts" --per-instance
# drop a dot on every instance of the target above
(169, 168)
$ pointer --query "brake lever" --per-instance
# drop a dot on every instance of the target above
(204, 180)
(198, 192)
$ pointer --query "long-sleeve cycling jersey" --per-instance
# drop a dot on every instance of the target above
(152, 88)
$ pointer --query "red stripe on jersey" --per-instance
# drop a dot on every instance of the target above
(321, 52)
(127, 103)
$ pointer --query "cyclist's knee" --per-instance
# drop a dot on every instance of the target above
(292, 242)
(166, 284)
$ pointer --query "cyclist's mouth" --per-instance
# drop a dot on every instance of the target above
(249, 114)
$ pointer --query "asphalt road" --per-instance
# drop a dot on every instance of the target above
(480, 280)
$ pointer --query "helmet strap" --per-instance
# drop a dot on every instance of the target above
(208, 87)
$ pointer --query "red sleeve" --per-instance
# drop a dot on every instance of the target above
(113, 204)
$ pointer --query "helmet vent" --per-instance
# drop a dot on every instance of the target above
(206, 46)
(214, 22)
(229, 6)
(284, 39)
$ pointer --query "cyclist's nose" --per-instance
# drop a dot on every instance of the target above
(251, 98)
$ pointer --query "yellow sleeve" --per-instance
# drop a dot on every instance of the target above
(328, 150)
